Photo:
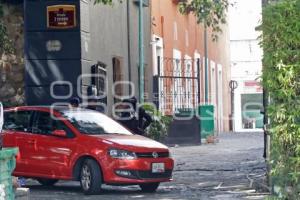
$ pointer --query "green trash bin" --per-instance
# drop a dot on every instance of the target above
(7, 165)
(207, 121)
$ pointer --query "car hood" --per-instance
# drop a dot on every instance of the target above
(131, 141)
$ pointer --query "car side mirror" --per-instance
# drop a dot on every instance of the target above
(60, 133)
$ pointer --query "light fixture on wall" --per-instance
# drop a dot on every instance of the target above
(154, 41)
(145, 3)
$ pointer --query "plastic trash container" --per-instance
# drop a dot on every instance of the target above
(7, 165)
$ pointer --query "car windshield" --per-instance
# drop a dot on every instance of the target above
(94, 123)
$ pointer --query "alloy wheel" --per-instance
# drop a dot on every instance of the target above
(86, 177)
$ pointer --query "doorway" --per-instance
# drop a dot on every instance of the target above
(117, 79)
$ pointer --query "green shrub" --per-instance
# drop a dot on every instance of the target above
(158, 129)
(281, 78)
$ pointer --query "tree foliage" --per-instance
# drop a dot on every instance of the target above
(281, 78)
(211, 13)
(5, 43)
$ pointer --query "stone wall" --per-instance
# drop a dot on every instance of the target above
(12, 66)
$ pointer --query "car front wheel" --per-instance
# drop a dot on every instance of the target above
(149, 187)
(90, 177)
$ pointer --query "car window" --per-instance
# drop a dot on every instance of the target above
(61, 126)
(45, 124)
(94, 123)
(17, 121)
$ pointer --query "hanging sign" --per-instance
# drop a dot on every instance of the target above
(61, 16)
(252, 87)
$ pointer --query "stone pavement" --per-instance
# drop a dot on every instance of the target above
(226, 170)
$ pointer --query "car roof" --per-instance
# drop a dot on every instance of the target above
(57, 108)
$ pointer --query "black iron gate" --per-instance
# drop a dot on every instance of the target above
(177, 84)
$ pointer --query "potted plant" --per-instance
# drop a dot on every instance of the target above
(158, 129)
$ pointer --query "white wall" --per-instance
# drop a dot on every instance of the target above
(246, 54)
(245, 50)
(246, 70)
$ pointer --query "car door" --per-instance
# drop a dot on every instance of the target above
(54, 152)
(17, 133)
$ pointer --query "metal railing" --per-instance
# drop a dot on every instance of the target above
(177, 85)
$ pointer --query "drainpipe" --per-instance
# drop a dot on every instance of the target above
(206, 64)
(141, 51)
(129, 46)
(265, 105)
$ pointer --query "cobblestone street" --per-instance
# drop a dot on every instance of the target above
(230, 169)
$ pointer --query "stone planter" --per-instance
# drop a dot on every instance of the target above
(7, 165)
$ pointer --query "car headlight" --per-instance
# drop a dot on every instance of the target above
(122, 154)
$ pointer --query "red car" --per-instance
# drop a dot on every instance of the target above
(83, 145)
